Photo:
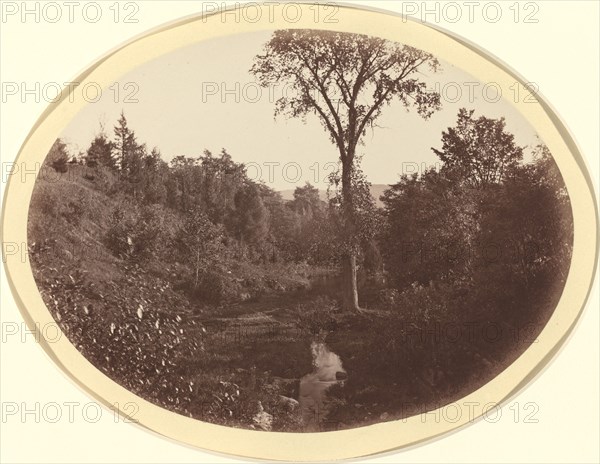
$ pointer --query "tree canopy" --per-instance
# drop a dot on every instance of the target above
(345, 79)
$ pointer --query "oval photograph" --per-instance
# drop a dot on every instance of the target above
(303, 230)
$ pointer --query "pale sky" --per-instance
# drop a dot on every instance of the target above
(177, 113)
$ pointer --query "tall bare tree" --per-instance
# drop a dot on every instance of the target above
(346, 80)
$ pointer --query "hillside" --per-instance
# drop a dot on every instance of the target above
(133, 317)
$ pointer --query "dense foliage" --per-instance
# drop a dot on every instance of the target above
(152, 268)
(217, 216)
(487, 224)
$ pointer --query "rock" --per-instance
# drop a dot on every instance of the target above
(384, 416)
(263, 419)
(341, 375)
(289, 403)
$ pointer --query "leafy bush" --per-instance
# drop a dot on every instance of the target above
(58, 157)
(75, 208)
(149, 232)
(135, 232)
(388, 298)
(215, 287)
(137, 336)
(121, 227)
(60, 164)
(318, 316)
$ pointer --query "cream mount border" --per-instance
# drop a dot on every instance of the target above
(331, 445)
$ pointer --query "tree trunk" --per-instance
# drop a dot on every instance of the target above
(197, 278)
(349, 283)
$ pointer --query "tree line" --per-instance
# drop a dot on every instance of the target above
(346, 81)
(485, 220)
(205, 208)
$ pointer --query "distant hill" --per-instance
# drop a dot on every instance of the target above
(376, 190)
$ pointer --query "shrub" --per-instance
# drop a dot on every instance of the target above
(134, 232)
(75, 208)
(388, 297)
(148, 232)
(60, 164)
(119, 236)
(318, 316)
(215, 287)
(58, 157)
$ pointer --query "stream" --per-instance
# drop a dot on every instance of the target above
(328, 371)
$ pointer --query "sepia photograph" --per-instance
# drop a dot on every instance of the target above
(301, 231)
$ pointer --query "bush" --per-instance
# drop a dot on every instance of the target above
(75, 208)
(119, 236)
(58, 157)
(215, 287)
(148, 232)
(318, 316)
(388, 297)
(135, 233)
(60, 164)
